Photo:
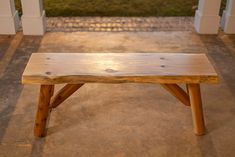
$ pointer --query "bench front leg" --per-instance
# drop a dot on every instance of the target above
(46, 92)
(196, 108)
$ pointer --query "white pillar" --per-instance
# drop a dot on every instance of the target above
(9, 18)
(33, 19)
(228, 19)
(207, 17)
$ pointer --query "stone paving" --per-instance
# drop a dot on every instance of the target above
(119, 24)
(117, 120)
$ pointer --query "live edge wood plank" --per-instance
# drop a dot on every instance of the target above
(79, 68)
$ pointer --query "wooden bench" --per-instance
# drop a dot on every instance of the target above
(76, 69)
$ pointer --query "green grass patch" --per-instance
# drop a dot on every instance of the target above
(119, 7)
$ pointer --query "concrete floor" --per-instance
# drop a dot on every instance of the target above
(117, 120)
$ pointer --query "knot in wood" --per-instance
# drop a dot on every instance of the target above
(110, 70)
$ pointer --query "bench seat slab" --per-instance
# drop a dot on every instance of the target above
(79, 68)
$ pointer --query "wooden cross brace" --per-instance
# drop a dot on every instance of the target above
(46, 103)
(64, 93)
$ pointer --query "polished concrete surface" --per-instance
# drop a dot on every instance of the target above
(117, 120)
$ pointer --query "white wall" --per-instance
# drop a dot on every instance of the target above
(228, 19)
(207, 19)
(9, 18)
(33, 19)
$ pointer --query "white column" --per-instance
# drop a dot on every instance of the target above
(207, 17)
(228, 19)
(33, 19)
(9, 18)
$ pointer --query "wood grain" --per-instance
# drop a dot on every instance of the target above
(46, 92)
(177, 92)
(79, 68)
(196, 108)
(64, 93)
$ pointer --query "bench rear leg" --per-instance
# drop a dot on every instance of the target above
(196, 107)
(46, 92)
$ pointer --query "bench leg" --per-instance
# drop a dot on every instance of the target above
(196, 107)
(46, 92)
